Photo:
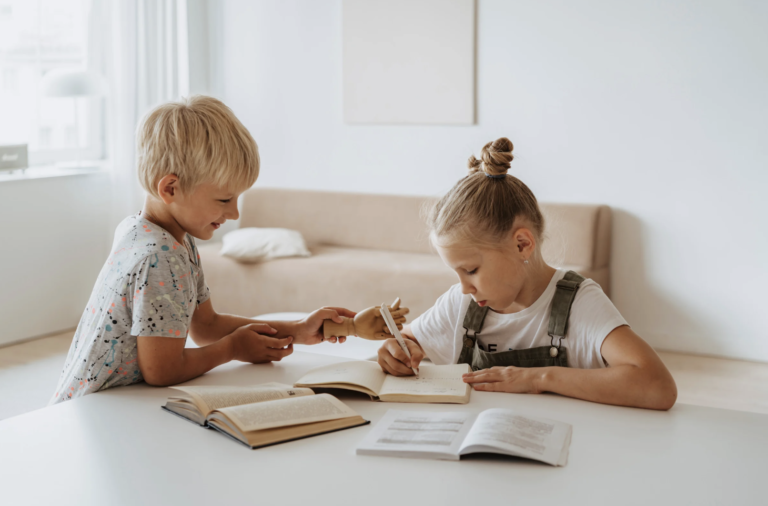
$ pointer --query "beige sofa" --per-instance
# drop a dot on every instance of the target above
(368, 249)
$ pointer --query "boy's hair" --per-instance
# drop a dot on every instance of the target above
(483, 206)
(198, 139)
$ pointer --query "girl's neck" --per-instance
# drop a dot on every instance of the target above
(539, 274)
(158, 213)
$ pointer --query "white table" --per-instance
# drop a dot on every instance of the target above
(118, 447)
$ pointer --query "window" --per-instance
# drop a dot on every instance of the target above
(37, 36)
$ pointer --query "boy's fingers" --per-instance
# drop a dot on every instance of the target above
(395, 305)
(278, 355)
(277, 343)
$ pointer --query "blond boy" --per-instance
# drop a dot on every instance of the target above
(194, 159)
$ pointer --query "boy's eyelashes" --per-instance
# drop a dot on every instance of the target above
(225, 200)
(473, 271)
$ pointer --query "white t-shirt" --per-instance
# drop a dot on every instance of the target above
(593, 316)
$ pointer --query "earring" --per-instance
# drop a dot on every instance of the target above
(526, 262)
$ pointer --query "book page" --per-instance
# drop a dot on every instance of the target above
(357, 372)
(432, 380)
(537, 438)
(284, 412)
(416, 433)
(215, 397)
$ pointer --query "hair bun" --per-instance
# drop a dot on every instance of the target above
(495, 158)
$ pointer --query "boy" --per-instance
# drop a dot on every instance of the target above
(194, 159)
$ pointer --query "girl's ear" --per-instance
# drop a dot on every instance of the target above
(525, 242)
(168, 188)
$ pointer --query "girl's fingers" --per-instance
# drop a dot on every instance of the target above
(396, 304)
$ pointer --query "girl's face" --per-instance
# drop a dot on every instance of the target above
(494, 277)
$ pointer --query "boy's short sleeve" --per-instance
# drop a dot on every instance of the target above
(163, 297)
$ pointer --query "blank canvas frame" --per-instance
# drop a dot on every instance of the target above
(409, 61)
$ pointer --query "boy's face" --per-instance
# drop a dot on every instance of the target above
(204, 209)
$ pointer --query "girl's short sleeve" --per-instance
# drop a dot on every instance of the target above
(436, 328)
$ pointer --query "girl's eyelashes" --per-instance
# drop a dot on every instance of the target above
(225, 200)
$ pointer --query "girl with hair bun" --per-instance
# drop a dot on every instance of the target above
(522, 325)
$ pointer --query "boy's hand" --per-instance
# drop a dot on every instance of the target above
(249, 344)
(392, 358)
(310, 329)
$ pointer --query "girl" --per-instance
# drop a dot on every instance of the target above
(522, 325)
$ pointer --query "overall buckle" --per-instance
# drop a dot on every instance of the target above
(554, 350)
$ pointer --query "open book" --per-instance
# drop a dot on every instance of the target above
(262, 415)
(435, 383)
(449, 435)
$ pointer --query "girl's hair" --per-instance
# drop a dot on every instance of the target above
(483, 206)
(198, 139)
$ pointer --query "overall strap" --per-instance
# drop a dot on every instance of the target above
(474, 318)
(561, 307)
(473, 321)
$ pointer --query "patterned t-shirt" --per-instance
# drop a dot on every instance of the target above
(149, 286)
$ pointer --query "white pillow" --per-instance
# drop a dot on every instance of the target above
(259, 244)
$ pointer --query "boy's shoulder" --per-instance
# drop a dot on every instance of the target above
(137, 239)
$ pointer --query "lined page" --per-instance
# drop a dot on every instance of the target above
(537, 438)
(418, 434)
(432, 380)
(215, 397)
(285, 412)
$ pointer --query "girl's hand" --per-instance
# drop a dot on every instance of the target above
(392, 358)
(517, 380)
(310, 329)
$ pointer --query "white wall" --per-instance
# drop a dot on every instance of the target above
(656, 108)
(54, 238)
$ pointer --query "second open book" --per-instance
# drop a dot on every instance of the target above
(434, 384)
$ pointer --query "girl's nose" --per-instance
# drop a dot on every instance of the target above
(467, 288)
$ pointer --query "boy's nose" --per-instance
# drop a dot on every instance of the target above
(467, 288)
(233, 213)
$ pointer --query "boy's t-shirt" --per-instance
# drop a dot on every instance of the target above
(149, 286)
(593, 316)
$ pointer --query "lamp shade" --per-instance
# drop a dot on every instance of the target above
(72, 83)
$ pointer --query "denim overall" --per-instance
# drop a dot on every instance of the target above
(542, 356)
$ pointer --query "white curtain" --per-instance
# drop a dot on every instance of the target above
(140, 47)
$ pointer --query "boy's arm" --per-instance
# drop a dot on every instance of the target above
(208, 326)
(165, 361)
(636, 376)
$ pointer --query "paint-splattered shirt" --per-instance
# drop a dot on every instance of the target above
(149, 286)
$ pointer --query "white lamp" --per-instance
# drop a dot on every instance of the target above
(73, 83)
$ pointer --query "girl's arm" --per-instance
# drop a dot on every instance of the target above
(208, 326)
(635, 376)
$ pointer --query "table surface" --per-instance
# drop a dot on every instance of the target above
(118, 447)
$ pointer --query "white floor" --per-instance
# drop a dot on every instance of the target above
(29, 372)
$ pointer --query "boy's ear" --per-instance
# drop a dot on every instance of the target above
(168, 188)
